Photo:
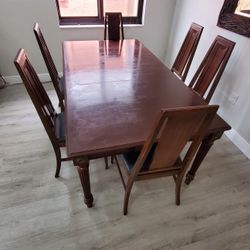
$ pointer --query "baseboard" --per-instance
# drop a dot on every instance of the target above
(239, 141)
(44, 77)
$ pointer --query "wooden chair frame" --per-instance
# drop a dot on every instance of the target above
(56, 79)
(186, 53)
(115, 29)
(43, 106)
(212, 67)
(172, 130)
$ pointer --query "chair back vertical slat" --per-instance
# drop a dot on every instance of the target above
(186, 53)
(113, 25)
(210, 70)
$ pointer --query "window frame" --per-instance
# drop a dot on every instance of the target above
(231, 21)
(99, 20)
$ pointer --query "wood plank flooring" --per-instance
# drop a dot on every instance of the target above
(38, 211)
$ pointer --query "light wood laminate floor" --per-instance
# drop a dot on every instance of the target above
(38, 211)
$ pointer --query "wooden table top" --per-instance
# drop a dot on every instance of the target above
(113, 92)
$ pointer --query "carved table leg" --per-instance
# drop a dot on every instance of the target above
(83, 171)
(206, 144)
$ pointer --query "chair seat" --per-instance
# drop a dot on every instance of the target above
(130, 159)
(60, 128)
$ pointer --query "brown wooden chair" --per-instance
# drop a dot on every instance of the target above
(53, 122)
(211, 68)
(113, 25)
(57, 81)
(186, 53)
(160, 155)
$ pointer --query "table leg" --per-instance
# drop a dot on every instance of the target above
(83, 171)
(205, 146)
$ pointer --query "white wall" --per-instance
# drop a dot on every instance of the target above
(235, 80)
(16, 30)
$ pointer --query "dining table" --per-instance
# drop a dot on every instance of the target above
(113, 92)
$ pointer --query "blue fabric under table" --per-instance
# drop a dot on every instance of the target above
(60, 133)
(131, 157)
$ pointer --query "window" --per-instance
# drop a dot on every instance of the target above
(73, 12)
(230, 20)
(243, 8)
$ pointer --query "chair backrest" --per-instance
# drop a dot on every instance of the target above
(186, 53)
(172, 130)
(210, 71)
(47, 58)
(37, 94)
(113, 25)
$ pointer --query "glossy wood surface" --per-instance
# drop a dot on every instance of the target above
(114, 90)
(186, 53)
(208, 74)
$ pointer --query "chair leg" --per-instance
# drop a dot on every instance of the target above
(127, 195)
(178, 190)
(175, 178)
(125, 204)
(58, 166)
(58, 160)
(106, 162)
(120, 172)
(112, 159)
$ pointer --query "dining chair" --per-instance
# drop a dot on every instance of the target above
(53, 122)
(57, 81)
(207, 76)
(113, 25)
(186, 53)
(160, 155)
